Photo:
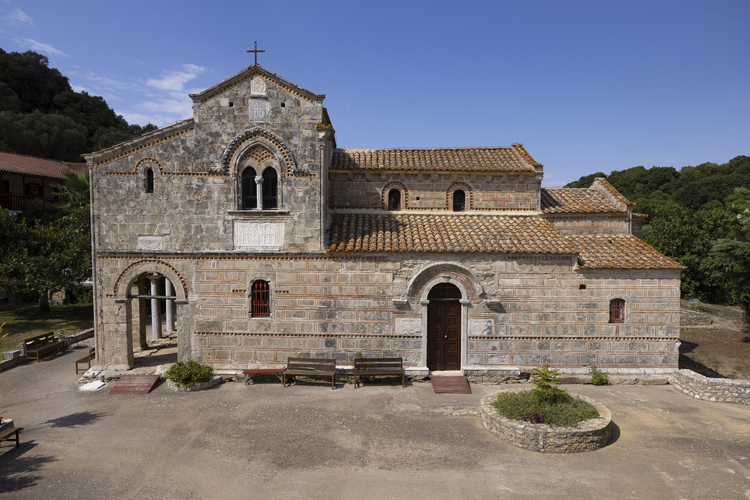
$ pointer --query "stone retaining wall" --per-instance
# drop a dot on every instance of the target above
(592, 434)
(17, 357)
(711, 389)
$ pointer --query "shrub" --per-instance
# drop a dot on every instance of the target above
(189, 373)
(598, 377)
(533, 407)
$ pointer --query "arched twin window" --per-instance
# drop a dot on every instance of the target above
(260, 299)
(269, 197)
(617, 311)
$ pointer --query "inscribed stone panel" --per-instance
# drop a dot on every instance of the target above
(258, 235)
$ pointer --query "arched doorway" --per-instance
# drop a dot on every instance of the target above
(444, 328)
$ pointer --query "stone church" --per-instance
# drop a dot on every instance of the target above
(259, 239)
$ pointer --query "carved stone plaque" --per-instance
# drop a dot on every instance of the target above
(258, 86)
(481, 327)
(408, 326)
(258, 235)
(259, 109)
(150, 243)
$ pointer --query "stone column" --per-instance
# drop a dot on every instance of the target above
(155, 308)
(139, 314)
(259, 190)
(169, 305)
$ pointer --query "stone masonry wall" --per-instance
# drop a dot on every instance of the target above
(433, 191)
(590, 224)
(532, 311)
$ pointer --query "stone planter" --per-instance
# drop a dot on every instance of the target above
(201, 386)
(592, 434)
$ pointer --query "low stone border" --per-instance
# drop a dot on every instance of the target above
(592, 434)
(16, 357)
(723, 390)
(201, 386)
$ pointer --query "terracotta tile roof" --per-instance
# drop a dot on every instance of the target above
(512, 159)
(619, 252)
(563, 200)
(614, 192)
(358, 232)
(32, 165)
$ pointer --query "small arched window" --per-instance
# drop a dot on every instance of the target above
(260, 300)
(459, 201)
(249, 192)
(270, 194)
(617, 311)
(394, 200)
(149, 180)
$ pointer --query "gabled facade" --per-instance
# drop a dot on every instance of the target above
(271, 242)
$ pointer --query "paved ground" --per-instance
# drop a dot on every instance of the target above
(379, 441)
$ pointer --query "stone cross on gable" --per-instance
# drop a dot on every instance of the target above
(256, 52)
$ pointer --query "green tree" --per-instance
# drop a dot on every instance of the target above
(736, 252)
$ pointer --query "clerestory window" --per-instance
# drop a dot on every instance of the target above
(394, 200)
(459, 201)
(149, 180)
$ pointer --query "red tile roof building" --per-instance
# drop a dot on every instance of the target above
(24, 177)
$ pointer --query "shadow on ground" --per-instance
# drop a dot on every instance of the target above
(76, 419)
(18, 471)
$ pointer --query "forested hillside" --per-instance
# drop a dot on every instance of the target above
(41, 115)
(699, 216)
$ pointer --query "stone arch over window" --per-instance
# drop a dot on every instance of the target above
(149, 159)
(617, 311)
(403, 195)
(445, 272)
(240, 145)
(258, 183)
(468, 194)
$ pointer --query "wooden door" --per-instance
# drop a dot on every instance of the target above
(444, 335)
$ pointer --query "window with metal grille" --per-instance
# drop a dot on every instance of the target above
(249, 192)
(394, 199)
(459, 201)
(260, 292)
(617, 311)
(270, 194)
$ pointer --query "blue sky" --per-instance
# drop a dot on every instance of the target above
(585, 86)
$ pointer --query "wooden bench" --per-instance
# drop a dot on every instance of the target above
(38, 346)
(378, 367)
(8, 432)
(259, 371)
(310, 367)
(86, 360)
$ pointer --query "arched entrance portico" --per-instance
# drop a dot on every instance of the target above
(149, 303)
